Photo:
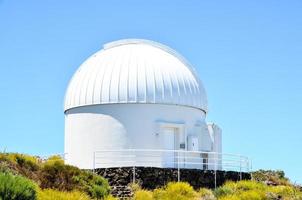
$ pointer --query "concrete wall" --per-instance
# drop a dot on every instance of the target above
(128, 126)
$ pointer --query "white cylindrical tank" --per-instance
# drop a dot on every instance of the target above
(133, 94)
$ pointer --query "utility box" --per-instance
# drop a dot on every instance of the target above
(192, 143)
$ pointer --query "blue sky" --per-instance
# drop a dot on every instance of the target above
(248, 54)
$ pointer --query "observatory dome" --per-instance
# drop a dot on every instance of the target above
(135, 71)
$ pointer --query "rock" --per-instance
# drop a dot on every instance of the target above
(152, 177)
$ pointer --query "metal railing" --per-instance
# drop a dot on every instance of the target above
(178, 159)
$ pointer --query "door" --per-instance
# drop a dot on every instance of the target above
(168, 143)
(205, 161)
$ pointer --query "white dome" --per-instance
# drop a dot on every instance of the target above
(135, 71)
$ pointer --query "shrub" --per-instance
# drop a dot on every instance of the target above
(135, 187)
(110, 197)
(231, 188)
(14, 187)
(177, 191)
(253, 190)
(49, 194)
(56, 175)
(180, 189)
(241, 190)
(287, 192)
(247, 185)
(223, 191)
(271, 177)
(252, 195)
(230, 197)
(54, 158)
(143, 195)
(206, 194)
(5, 168)
(26, 161)
(245, 195)
(159, 193)
(22, 160)
(22, 164)
(96, 186)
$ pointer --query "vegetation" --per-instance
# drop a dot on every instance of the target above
(49, 194)
(261, 188)
(175, 191)
(14, 187)
(271, 177)
(25, 177)
(55, 175)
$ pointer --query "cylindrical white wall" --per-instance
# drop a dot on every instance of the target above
(123, 126)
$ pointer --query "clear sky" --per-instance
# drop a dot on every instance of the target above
(247, 53)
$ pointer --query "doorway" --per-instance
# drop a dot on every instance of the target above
(170, 141)
(205, 161)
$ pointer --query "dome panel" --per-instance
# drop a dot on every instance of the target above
(135, 71)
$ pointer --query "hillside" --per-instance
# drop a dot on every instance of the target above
(25, 177)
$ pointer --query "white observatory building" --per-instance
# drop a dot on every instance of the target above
(135, 95)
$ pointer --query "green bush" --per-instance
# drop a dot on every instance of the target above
(56, 175)
(50, 194)
(14, 187)
(94, 185)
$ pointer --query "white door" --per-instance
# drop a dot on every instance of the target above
(168, 143)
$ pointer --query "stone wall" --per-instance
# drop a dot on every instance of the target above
(152, 177)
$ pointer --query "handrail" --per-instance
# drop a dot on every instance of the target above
(180, 157)
(168, 150)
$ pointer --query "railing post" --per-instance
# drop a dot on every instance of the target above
(251, 169)
(178, 171)
(240, 172)
(134, 161)
(94, 162)
(133, 174)
(215, 168)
